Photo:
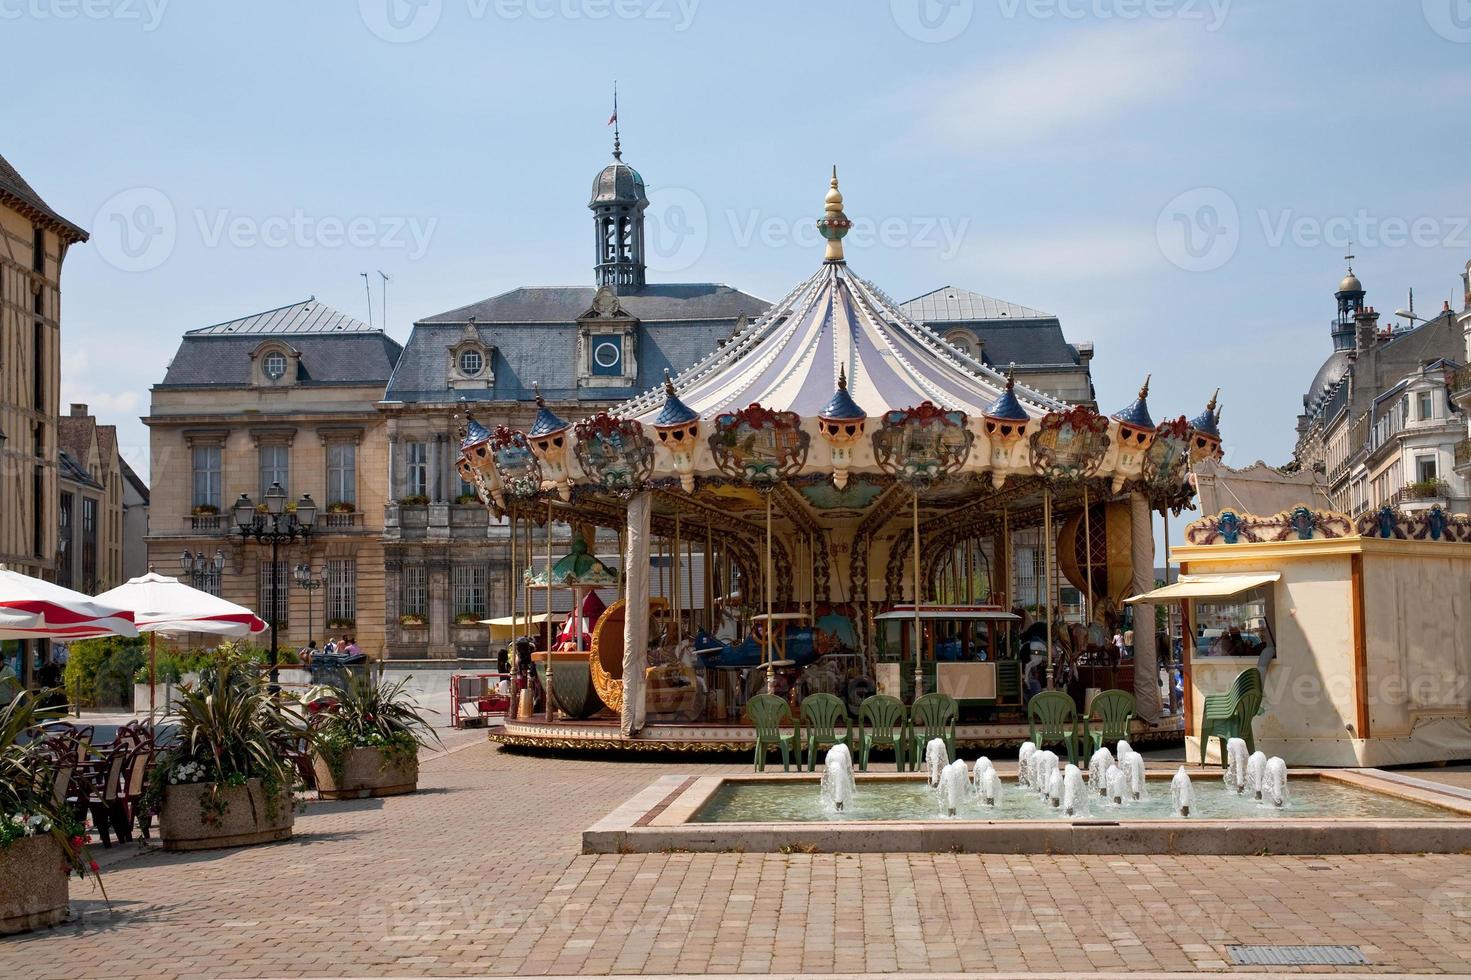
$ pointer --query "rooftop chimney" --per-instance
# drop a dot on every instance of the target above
(1366, 327)
(79, 410)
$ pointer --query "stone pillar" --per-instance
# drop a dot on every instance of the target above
(1146, 663)
(441, 607)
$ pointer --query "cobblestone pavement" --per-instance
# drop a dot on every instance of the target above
(480, 874)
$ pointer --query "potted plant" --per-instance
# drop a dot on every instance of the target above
(40, 842)
(227, 780)
(341, 507)
(467, 619)
(413, 619)
(368, 743)
(205, 510)
(467, 498)
(341, 623)
(413, 500)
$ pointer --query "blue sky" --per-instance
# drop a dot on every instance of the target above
(1175, 178)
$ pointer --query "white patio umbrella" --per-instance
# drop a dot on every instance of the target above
(31, 609)
(162, 604)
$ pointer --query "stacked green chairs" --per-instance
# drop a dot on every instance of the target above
(932, 716)
(768, 713)
(1114, 711)
(1052, 718)
(881, 724)
(818, 720)
(1228, 715)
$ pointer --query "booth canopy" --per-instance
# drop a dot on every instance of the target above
(1206, 587)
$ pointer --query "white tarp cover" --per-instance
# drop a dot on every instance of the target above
(636, 614)
(31, 609)
(1207, 587)
(162, 604)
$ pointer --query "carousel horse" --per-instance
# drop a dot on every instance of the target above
(803, 645)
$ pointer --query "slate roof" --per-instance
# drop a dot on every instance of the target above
(335, 349)
(74, 472)
(74, 435)
(14, 187)
(1009, 333)
(132, 477)
(534, 333)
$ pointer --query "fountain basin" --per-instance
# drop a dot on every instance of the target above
(1376, 812)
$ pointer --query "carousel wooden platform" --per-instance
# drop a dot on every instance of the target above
(699, 737)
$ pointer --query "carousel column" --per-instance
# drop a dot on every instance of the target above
(636, 613)
(1146, 664)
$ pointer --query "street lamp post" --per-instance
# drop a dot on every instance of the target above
(311, 583)
(275, 524)
(198, 568)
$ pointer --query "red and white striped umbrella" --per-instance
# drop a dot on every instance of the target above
(165, 605)
(31, 609)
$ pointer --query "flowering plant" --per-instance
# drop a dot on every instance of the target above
(188, 772)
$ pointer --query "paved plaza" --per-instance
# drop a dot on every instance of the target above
(480, 874)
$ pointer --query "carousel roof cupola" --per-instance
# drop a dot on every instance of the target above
(1136, 428)
(834, 224)
(548, 438)
(1005, 418)
(1205, 431)
(841, 424)
(619, 199)
(678, 428)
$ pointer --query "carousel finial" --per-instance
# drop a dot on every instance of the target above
(834, 224)
(843, 377)
(1011, 376)
(1144, 388)
(668, 384)
(541, 402)
(1211, 407)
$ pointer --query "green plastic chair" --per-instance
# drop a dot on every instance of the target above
(768, 713)
(1228, 715)
(819, 715)
(932, 716)
(1114, 710)
(1052, 718)
(881, 723)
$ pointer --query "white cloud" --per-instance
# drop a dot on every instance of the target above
(1088, 80)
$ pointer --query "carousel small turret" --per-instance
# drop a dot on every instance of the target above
(1136, 427)
(1205, 432)
(474, 453)
(548, 438)
(1005, 424)
(678, 428)
(841, 424)
(834, 224)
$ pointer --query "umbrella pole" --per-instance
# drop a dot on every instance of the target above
(152, 679)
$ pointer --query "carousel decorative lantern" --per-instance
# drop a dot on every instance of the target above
(1136, 428)
(474, 462)
(834, 224)
(548, 438)
(614, 453)
(1165, 462)
(515, 465)
(759, 445)
(1005, 423)
(841, 424)
(1069, 446)
(1205, 432)
(920, 445)
(678, 428)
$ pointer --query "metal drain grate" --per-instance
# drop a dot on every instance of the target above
(1296, 956)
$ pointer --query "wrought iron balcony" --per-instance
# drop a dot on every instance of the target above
(1460, 385)
(1424, 490)
(1463, 454)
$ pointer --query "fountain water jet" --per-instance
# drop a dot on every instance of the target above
(936, 758)
(1133, 767)
(1122, 749)
(1235, 775)
(1116, 784)
(1274, 781)
(1098, 768)
(990, 790)
(1182, 794)
(1043, 768)
(838, 785)
(983, 765)
(1054, 787)
(1023, 764)
(1074, 793)
(1256, 769)
(954, 786)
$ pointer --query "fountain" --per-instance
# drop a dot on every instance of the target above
(1041, 771)
(1236, 764)
(1054, 787)
(1098, 768)
(1182, 794)
(1256, 768)
(1023, 764)
(1122, 749)
(1133, 766)
(983, 765)
(838, 786)
(990, 788)
(936, 758)
(1074, 793)
(954, 786)
(1274, 781)
(1116, 784)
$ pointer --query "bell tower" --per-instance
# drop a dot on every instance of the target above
(618, 203)
(1350, 298)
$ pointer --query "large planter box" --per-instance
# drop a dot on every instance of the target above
(33, 884)
(246, 819)
(364, 775)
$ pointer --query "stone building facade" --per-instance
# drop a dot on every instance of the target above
(34, 240)
(100, 540)
(289, 396)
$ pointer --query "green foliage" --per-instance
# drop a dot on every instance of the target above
(27, 791)
(99, 673)
(372, 715)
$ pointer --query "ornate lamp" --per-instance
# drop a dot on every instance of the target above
(1136, 429)
(1205, 432)
(841, 424)
(1005, 422)
(678, 427)
(548, 438)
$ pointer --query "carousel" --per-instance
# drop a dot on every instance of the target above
(830, 502)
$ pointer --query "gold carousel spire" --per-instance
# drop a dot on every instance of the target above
(1214, 398)
(834, 224)
(1144, 388)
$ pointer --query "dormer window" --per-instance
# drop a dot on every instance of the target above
(470, 360)
(471, 363)
(274, 365)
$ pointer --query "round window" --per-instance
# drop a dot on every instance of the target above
(471, 362)
(275, 365)
(607, 354)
